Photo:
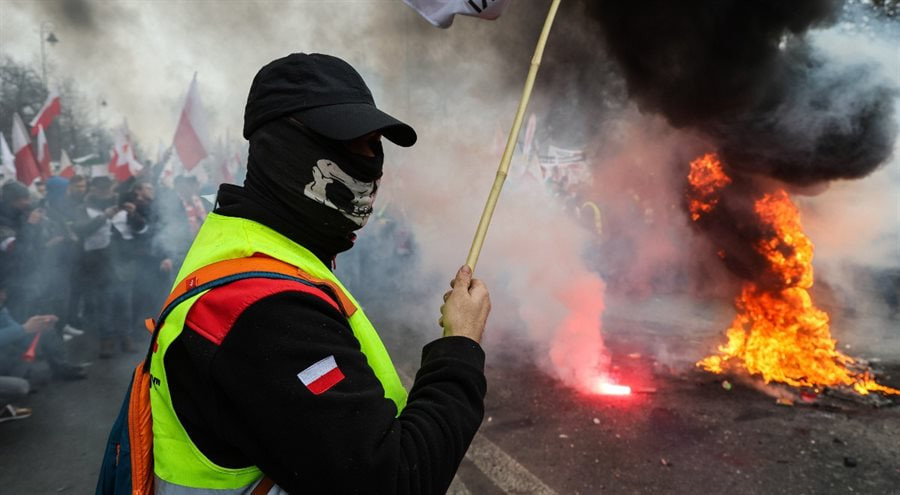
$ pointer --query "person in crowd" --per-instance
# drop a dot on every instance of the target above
(58, 257)
(35, 339)
(195, 207)
(75, 191)
(92, 223)
(73, 203)
(153, 265)
(181, 212)
(19, 214)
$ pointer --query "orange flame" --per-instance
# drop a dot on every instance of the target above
(706, 178)
(779, 335)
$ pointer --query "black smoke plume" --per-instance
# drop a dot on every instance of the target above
(741, 72)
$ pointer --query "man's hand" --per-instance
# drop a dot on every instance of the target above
(129, 207)
(54, 241)
(111, 211)
(39, 323)
(36, 216)
(466, 306)
(166, 265)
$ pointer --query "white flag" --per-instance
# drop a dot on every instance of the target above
(8, 167)
(440, 12)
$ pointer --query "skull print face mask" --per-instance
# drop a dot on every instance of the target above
(333, 187)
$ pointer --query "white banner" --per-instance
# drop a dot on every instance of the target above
(440, 12)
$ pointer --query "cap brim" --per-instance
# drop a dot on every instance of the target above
(347, 121)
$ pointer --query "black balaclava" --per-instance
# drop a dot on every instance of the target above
(324, 191)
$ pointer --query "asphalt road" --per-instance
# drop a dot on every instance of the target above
(690, 436)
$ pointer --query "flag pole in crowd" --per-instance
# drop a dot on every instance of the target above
(503, 169)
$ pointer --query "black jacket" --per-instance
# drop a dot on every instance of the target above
(242, 403)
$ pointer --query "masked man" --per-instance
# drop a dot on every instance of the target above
(273, 386)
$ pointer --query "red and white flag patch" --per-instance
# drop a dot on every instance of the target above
(321, 376)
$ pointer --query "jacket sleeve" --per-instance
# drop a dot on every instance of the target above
(84, 225)
(347, 439)
(10, 331)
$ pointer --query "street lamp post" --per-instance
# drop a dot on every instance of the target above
(46, 27)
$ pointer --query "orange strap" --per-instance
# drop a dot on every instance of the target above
(225, 268)
(263, 487)
(140, 433)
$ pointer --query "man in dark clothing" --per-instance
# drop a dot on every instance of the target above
(37, 332)
(19, 214)
(73, 203)
(151, 266)
(92, 223)
(58, 258)
(276, 380)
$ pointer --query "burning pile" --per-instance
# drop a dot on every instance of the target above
(778, 332)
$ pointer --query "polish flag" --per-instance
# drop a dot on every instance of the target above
(321, 376)
(123, 164)
(66, 167)
(189, 135)
(46, 114)
(26, 167)
(43, 153)
(8, 167)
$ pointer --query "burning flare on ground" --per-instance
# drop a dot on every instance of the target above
(577, 352)
(778, 334)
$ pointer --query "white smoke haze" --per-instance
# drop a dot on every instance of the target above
(855, 225)
(550, 277)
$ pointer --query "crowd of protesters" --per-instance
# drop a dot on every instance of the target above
(84, 256)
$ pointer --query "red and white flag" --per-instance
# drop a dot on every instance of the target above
(123, 164)
(26, 167)
(191, 131)
(43, 154)
(7, 159)
(440, 12)
(66, 167)
(46, 114)
(321, 376)
(113, 161)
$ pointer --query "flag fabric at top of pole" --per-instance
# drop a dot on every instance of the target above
(7, 159)
(66, 167)
(26, 167)
(440, 12)
(190, 133)
(46, 114)
(123, 164)
(503, 169)
(43, 154)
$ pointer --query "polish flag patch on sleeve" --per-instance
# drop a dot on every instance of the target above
(321, 376)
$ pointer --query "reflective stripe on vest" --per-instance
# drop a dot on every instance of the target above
(177, 461)
(163, 487)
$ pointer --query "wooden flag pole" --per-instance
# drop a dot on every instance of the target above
(503, 170)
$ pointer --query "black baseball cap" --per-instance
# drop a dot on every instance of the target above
(323, 92)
